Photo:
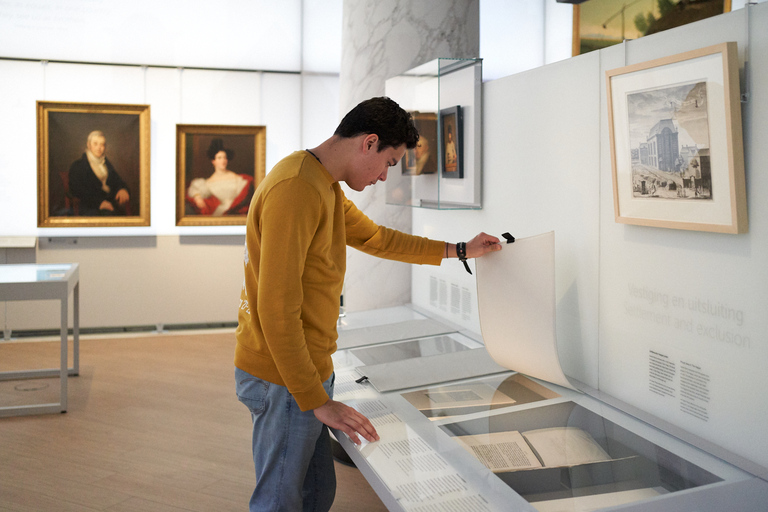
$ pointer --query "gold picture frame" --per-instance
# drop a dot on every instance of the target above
(80, 188)
(602, 23)
(207, 195)
(423, 158)
(677, 152)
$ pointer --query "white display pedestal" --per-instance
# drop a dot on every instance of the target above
(45, 282)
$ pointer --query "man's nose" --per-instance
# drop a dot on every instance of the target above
(383, 176)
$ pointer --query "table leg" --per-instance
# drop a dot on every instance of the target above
(64, 352)
(76, 329)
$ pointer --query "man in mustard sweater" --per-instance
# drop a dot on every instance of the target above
(299, 224)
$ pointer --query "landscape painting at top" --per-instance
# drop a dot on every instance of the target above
(602, 23)
(669, 142)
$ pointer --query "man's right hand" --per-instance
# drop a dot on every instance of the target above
(348, 420)
(106, 205)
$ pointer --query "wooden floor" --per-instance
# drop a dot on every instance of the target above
(153, 425)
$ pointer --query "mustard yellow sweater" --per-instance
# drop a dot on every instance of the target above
(299, 224)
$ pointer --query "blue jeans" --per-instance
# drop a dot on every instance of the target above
(291, 449)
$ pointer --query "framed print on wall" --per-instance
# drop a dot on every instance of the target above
(423, 158)
(602, 23)
(217, 170)
(92, 164)
(677, 153)
(452, 138)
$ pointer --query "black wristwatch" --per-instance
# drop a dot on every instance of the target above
(461, 252)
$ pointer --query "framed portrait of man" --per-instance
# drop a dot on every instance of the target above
(217, 170)
(92, 164)
(452, 135)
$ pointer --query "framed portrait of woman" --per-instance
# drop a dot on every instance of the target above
(92, 164)
(217, 170)
(423, 158)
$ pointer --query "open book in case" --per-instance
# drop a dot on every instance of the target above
(565, 452)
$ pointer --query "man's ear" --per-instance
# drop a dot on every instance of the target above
(370, 142)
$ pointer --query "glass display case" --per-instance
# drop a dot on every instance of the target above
(509, 442)
(444, 170)
(563, 453)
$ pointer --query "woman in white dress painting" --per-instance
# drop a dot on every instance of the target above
(224, 192)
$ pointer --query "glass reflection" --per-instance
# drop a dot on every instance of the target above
(408, 349)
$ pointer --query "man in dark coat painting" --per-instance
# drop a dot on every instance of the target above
(95, 183)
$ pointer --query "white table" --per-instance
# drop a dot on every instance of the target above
(45, 282)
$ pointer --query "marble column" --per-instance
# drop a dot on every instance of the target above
(381, 39)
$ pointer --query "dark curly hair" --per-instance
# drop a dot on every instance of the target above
(216, 146)
(383, 117)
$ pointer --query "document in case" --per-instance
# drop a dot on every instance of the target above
(547, 447)
(467, 398)
(500, 451)
(463, 395)
(565, 446)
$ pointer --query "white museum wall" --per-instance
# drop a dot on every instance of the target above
(321, 41)
(177, 33)
(546, 155)
(696, 298)
(320, 109)
(161, 274)
(524, 34)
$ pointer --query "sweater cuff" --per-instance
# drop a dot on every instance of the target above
(311, 399)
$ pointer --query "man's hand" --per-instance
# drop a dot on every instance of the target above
(348, 420)
(482, 244)
(122, 196)
(106, 205)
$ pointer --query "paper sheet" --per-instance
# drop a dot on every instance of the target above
(500, 451)
(565, 446)
(516, 304)
(415, 474)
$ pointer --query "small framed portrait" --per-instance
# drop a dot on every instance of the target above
(423, 158)
(92, 164)
(677, 152)
(452, 138)
(217, 170)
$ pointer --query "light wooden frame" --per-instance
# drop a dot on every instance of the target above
(725, 211)
(126, 147)
(255, 135)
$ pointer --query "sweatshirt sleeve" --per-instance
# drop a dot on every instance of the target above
(288, 222)
(365, 235)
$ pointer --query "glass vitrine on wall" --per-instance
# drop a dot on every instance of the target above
(444, 170)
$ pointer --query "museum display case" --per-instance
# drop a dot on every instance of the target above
(444, 170)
